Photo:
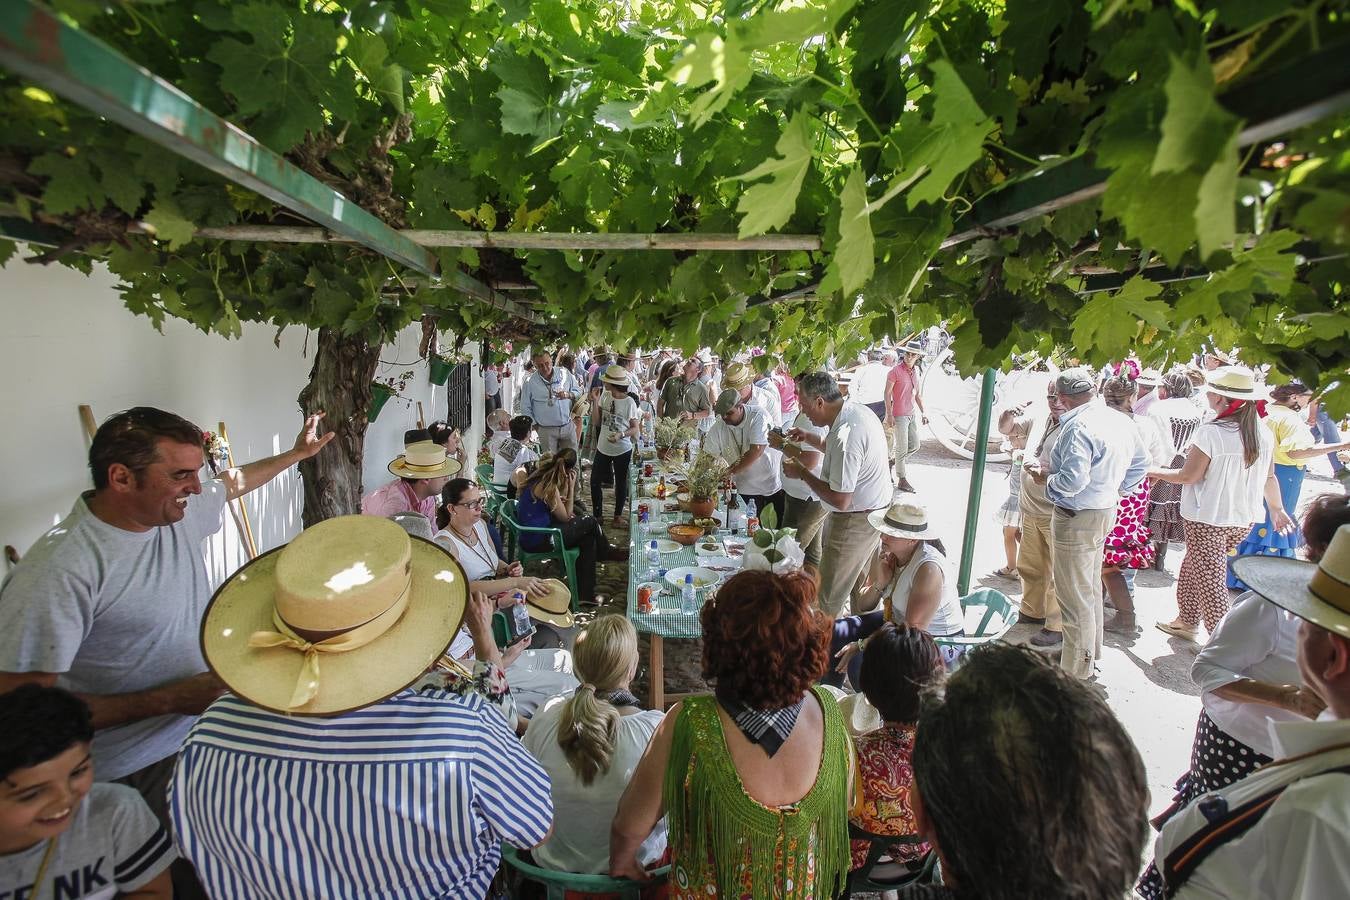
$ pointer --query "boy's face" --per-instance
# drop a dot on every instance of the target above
(39, 802)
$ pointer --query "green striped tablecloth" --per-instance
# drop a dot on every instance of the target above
(668, 621)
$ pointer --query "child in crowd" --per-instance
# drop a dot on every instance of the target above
(62, 835)
(1015, 427)
(513, 454)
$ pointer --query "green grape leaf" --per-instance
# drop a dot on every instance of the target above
(770, 204)
(1108, 324)
(7, 251)
(936, 152)
(71, 183)
(710, 57)
(853, 260)
(169, 224)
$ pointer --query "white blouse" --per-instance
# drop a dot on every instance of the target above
(479, 560)
(1231, 493)
(949, 618)
(1256, 640)
(584, 812)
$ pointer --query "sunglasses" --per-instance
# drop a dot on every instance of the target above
(477, 504)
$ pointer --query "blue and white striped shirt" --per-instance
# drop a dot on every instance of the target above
(409, 798)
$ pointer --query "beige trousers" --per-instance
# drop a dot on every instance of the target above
(848, 544)
(1035, 561)
(1077, 541)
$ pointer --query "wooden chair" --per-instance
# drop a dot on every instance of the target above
(876, 876)
(556, 548)
(557, 884)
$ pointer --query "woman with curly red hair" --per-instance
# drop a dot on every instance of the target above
(754, 779)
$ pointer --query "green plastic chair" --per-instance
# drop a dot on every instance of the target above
(557, 884)
(493, 494)
(998, 617)
(557, 549)
(876, 876)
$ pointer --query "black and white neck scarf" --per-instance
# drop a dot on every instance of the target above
(769, 728)
(619, 697)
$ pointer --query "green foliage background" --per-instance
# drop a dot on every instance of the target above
(875, 123)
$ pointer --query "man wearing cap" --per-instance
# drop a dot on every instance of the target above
(740, 378)
(868, 386)
(1096, 458)
(854, 480)
(901, 397)
(422, 468)
(547, 398)
(108, 603)
(337, 766)
(1283, 831)
(741, 437)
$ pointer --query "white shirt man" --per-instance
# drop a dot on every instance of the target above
(1296, 810)
(854, 480)
(547, 397)
(869, 383)
(741, 437)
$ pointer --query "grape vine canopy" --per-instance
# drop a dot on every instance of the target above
(883, 126)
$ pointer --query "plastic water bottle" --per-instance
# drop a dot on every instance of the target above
(520, 612)
(688, 602)
(653, 561)
(750, 511)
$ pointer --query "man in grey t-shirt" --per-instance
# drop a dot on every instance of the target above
(109, 602)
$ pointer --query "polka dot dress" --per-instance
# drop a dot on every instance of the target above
(1217, 760)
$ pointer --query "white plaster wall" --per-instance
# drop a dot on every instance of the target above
(66, 339)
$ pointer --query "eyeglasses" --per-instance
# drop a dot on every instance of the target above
(477, 504)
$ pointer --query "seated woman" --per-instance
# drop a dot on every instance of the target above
(448, 437)
(536, 674)
(1026, 783)
(547, 500)
(900, 662)
(909, 580)
(755, 779)
(1248, 676)
(589, 742)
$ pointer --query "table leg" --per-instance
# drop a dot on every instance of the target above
(656, 692)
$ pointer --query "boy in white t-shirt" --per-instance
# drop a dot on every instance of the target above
(619, 418)
(62, 835)
(512, 454)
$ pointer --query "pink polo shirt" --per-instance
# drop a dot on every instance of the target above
(902, 380)
(397, 497)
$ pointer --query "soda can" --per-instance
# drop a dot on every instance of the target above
(644, 598)
(647, 471)
(644, 512)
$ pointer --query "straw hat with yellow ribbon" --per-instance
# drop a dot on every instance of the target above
(350, 612)
(423, 459)
(1318, 592)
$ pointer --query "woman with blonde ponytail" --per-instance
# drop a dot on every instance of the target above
(589, 741)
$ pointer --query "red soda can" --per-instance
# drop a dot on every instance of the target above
(644, 598)
(647, 471)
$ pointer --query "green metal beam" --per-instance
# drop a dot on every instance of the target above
(39, 46)
(1305, 91)
(976, 483)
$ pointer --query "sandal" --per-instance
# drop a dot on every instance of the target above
(1006, 572)
(1181, 631)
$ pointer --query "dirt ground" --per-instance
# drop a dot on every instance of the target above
(1146, 679)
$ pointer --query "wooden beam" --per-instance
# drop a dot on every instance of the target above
(524, 240)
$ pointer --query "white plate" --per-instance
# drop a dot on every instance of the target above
(704, 549)
(707, 576)
(665, 545)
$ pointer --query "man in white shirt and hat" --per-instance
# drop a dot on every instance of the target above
(1284, 830)
(741, 437)
(740, 378)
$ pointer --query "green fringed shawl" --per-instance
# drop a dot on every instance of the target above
(712, 818)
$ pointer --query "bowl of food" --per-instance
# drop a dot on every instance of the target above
(709, 524)
(683, 499)
(685, 533)
(703, 578)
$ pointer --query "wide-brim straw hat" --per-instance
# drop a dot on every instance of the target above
(395, 600)
(423, 459)
(737, 376)
(912, 347)
(903, 519)
(1318, 592)
(1235, 383)
(616, 375)
(555, 607)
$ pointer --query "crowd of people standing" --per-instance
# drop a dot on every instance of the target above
(344, 716)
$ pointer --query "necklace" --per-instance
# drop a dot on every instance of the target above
(42, 866)
(476, 547)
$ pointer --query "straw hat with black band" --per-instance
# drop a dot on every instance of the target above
(423, 459)
(738, 376)
(1235, 383)
(350, 612)
(913, 347)
(616, 376)
(904, 519)
(1316, 592)
(555, 607)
